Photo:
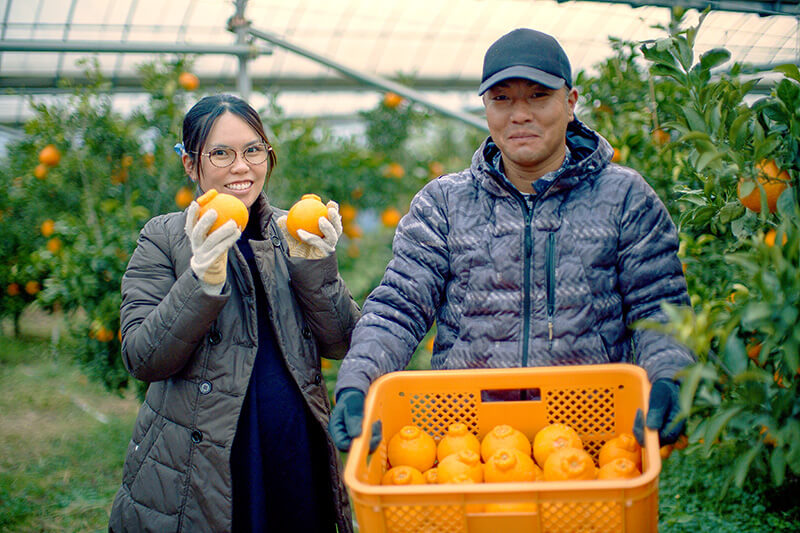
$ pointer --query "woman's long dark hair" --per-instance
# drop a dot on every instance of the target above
(201, 117)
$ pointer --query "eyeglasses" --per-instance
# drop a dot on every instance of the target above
(255, 154)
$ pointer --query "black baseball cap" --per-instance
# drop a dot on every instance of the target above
(527, 54)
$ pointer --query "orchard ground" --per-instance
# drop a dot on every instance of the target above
(64, 438)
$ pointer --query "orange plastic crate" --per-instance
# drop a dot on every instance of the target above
(598, 401)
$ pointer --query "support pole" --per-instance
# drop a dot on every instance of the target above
(239, 25)
(373, 80)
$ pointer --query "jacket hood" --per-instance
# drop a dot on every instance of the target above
(590, 151)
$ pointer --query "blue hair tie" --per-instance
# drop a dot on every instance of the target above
(179, 149)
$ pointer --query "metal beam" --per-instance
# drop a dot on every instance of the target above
(777, 7)
(373, 80)
(103, 47)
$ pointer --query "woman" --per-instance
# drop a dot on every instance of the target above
(228, 329)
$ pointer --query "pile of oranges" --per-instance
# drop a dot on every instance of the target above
(505, 454)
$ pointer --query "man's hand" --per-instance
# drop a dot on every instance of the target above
(209, 252)
(346, 420)
(661, 414)
(313, 246)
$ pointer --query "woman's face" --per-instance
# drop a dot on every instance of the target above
(241, 179)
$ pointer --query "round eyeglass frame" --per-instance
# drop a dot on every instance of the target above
(268, 157)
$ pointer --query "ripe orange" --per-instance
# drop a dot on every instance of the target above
(391, 217)
(509, 465)
(227, 206)
(456, 439)
(569, 463)
(435, 169)
(33, 287)
(431, 476)
(660, 137)
(464, 462)
(353, 230)
(188, 81)
(623, 445)
(394, 170)
(49, 155)
(348, 213)
(119, 175)
(40, 171)
(616, 157)
(357, 193)
(412, 447)
(619, 468)
(551, 438)
(184, 197)
(769, 238)
(12, 289)
(402, 475)
(305, 215)
(769, 440)
(392, 100)
(665, 451)
(774, 181)
(148, 159)
(103, 334)
(54, 245)
(753, 351)
(48, 227)
(504, 436)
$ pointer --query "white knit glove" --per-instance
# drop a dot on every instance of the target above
(209, 252)
(313, 246)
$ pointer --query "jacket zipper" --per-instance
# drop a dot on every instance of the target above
(550, 282)
(526, 282)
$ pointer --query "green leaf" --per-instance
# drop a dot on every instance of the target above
(777, 463)
(746, 187)
(714, 58)
(785, 205)
(789, 70)
(738, 132)
(734, 355)
(765, 148)
(731, 211)
(685, 53)
(689, 387)
(755, 312)
(694, 119)
(706, 158)
(716, 424)
(742, 464)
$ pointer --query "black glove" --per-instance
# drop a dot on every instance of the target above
(346, 420)
(661, 413)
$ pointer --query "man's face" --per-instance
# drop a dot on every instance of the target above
(528, 122)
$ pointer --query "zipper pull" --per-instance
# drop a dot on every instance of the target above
(550, 328)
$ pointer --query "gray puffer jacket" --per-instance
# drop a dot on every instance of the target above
(197, 351)
(513, 286)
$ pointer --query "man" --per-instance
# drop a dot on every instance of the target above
(543, 252)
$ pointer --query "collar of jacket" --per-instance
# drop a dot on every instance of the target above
(590, 151)
(262, 210)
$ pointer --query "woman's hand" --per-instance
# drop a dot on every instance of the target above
(210, 252)
(313, 246)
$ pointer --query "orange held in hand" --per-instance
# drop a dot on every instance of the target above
(227, 206)
(619, 468)
(568, 464)
(412, 447)
(305, 215)
(456, 439)
(504, 436)
(554, 437)
(623, 445)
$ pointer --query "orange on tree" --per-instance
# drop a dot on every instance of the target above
(772, 179)
(616, 157)
(504, 436)
(40, 172)
(623, 445)
(769, 238)
(12, 289)
(660, 137)
(569, 463)
(464, 462)
(390, 217)
(551, 438)
(392, 100)
(305, 215)
(618, 468)
(753, 351)
(403, 475)
(188, 81)
(348, 213)
(48, 227)
(394, 170)
(103, 334)
(33, 287)
(352, 230)
(412, 447)
(435, 169)
(54, 245)
(457, 438)
(49, 155)
(227, 206)
(184, 197)
(148, 159)
(509, 465)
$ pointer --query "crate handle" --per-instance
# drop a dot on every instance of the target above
(533, 394)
